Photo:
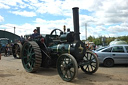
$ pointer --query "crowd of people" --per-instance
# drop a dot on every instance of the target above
(6, 50)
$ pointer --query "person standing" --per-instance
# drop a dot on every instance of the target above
(5, 50)
(8, 49)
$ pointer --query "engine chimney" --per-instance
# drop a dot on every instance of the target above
(76, 23)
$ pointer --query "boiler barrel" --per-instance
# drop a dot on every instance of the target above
(61, 48)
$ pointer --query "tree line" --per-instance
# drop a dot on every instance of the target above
(105, 40)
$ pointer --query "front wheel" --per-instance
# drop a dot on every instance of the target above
(67, 67)
(90, 63)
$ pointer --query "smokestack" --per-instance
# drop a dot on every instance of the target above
(38, 29)
(76, 23)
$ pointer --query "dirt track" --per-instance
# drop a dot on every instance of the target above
(13, 73)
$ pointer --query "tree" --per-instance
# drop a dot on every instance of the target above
(98, 41)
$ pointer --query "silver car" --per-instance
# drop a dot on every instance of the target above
(114, 54)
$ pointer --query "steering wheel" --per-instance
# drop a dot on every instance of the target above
(55, 31)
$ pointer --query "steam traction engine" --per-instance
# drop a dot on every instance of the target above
(65, 51)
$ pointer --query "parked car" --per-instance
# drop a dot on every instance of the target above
(100, 48)
(114, 54)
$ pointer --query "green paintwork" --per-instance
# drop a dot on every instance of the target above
(67, 67)
(28, 58)
(64, 37)
(61, 48)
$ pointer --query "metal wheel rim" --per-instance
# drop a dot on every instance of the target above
(67, 67)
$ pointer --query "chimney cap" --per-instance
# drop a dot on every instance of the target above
(75, 8)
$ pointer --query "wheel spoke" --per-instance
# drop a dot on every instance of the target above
(65, 61)
(87, 56)
(91, 57)
(91, 67)
(32, 63)
(31, 50)
(33, 59)
(27, 64)
(24, 57)
(28, 60)
(65, 73)
(88, 67)
(71, 73)
(93, 61)
(26, 50)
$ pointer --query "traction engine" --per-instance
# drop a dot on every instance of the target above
(65, 51)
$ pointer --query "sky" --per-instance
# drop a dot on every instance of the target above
(107, 18)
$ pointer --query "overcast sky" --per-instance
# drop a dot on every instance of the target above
(103, 17)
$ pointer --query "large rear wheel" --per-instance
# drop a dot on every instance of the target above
(31, 56)
(67, 67)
